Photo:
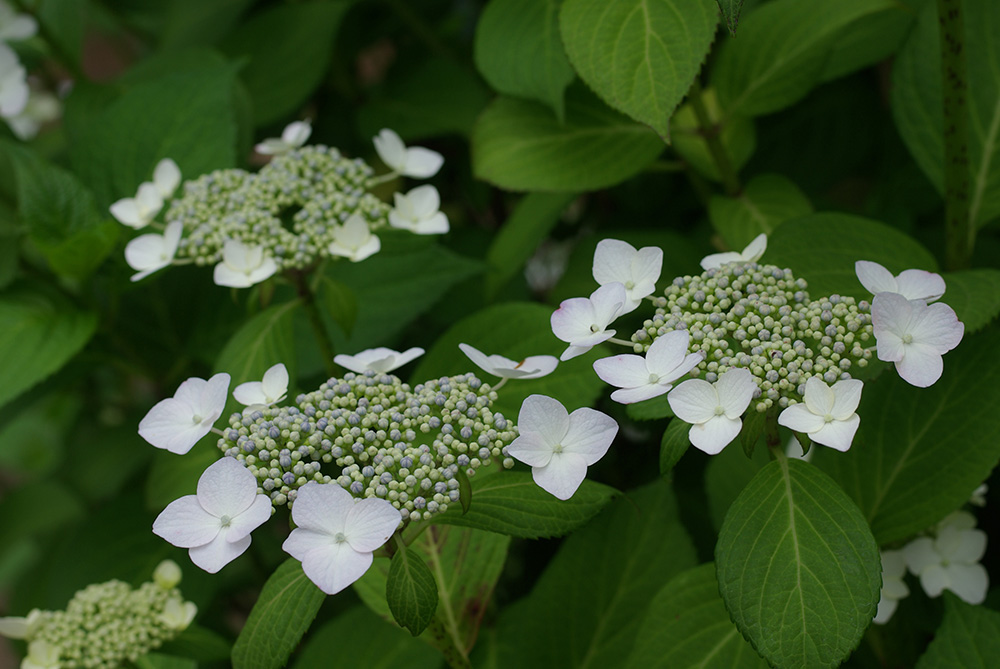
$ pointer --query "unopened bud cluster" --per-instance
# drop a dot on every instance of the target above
(761, 318)
(289, 207)
(106, 624)
(376, 437)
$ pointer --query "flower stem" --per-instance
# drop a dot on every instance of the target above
(315, 320)
(960, 230)
(772, 437)
(622, 342)
(499, 385)
(710, 131)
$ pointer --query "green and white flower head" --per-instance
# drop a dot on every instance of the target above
(827, 414)
(13, 83)
(415, 161)
(641, 378)
(914, 335)
(638, 271)
(751, 254)
(532, 367)
(42, 655)
(380, 360)
(913, 284)
(177, 423)
(272, 389)
(893, 586)
(419, 212)
(713, 409)
(151, 252)
(950, 559)
(584, 322)
(294, 136)
(354, 240)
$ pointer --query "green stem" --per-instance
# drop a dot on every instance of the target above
(443, 641)
(711, 131)
(420, 28)
(960, 231)
(61, 54)
(772, 437)
(666, 166)
(315, 320)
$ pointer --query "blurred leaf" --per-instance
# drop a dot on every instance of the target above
(869, 40)
(36, 508)
(731, 13)
(518, 50)
(173, 476)
(520, 145)
(918, 108)
(39, 333)
(340, 302)
(283, 612)
(195, 22)
(33, 440)
(198, 643)
(673, 445)
(974, 295)
(813, 610)
(738, 136)
(64, 21)
(969, 636)
(263, 341)
(512, 503)
(161, 661)
(766, 201)
(688, 626)
(10, 244)
(781, 52)
(288, 48)
(639, 56)
(651, 409)
(410, 591)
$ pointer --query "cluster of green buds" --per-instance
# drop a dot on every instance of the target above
(761, 318)
(377, 437)
(106, 624)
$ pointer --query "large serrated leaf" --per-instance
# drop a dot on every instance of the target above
(410, 591)
(731, 13)
(263, 341)
(520, 145)
(798, 567)
(512, 503)
(283, 612)
(974, 295)
(969, 636)
(767, 201)
(639, 56)
(673, 445)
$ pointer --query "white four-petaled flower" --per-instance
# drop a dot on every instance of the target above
(177, 423)
(950, 561)
(532, 367)
(560, 446)
(826, 414)
(381, 360)
(242, 265)
(139, 211)
(257, 394)
(638, 271)
(419, 212)
(166, 177)
(293, 136)
(752, 253)
(583, 322)
(713, 409)
(215, 524)
(335, 534)
(893, 586)
(913, 284)
(914, 336)
(354, 240)
(640, 378)
(151, 252)
(415, 161)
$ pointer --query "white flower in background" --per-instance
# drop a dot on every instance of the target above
(14, 26)
(532, 367)
(335, 534)
(914, 336)
(380, 360)
(950, 561)
(293, 136)
(166, 177)
(638, 271)
(41, 108)
(415, 161)
(893, 587)
(13, 83)
(713, 409)
(177, 614)
(559, 446)
(826, 414)
(354, 240)
(243, 266)
(978, 497)
(643, 378)
(547, 265)
(167, 574)
(139, 211)
(152, 252)
(418, 212)
(215, 524)
(913, 284)
(177, 423)
(259, 394)
(583, 322)
(42, 655)
(21, 627)
(751, 253)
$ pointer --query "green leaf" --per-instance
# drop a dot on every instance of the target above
(738, 136)
(519, 52)
(36, 508)
(687, 625)
(599, 586)
(974, 295)
(194, 22)
(651, 409)
(515, 330)
(411, 591)
(64, 22)
(520, 145)
(288, 48)
(35, 438)
(639, 56)
(798, 567)
(528, 225)
(374, 644)
(869, 40)
(39, 333)
(263, 341)
(199, 643)
(340, 302)
(920, 452)
(822, 249)
(731, 13)
(172, 477)
(969, 636)
(726, 475)
(753, 429)
(62, 216)
(464, 489)
(767, 201)
(918, 108)
(781, 52)
(161, 661)
(673, 445)
(511, 503)
(283, 612)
